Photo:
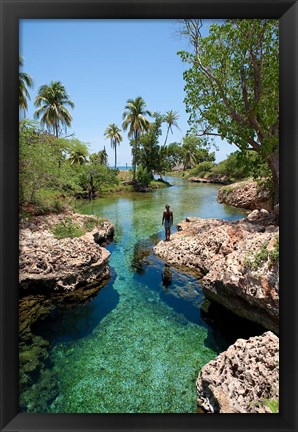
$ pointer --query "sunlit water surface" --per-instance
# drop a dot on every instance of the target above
(139, 345)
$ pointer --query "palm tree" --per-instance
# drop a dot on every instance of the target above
(25, 82)
(78, 153)
(51, 100)
(77, 157)
(171, 118)
(113, 132)
(100, 157)
(135, 120)
(189, 154)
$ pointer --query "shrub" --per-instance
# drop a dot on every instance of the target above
(91, 223)
(264, 255)
(200, 169)
(49, 201)
(143, 176)
(67, 229)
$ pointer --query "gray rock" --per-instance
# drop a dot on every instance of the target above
(242, 379)
(237, 264)
(246, 194)
(254, 215)
(47, 263)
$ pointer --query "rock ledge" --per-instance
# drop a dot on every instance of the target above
(238, 263)
(242, 379)
(47, 263)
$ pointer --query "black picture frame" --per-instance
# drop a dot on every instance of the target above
(11, 12)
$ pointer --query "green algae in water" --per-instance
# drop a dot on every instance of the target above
(143, 358)
(145, 354)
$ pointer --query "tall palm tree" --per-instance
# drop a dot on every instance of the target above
(113, 132)
(25, 82)
(171, 118)
(51, 100)
(135, 120)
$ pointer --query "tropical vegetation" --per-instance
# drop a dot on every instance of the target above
(113, 133)
(25, 82)
(232, 85)
(51, 103)
(231, 91)
(136, 122)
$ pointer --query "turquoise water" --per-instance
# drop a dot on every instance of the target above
(139, 345)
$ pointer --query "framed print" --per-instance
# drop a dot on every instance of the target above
(127, 304)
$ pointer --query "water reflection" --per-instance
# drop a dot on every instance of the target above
(166, 276)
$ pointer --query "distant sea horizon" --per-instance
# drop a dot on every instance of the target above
(123, 167)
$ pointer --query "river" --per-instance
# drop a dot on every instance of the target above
(139, 345)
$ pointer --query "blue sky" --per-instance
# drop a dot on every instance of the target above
(102, 63)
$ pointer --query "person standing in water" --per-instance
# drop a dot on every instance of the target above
(167, 219)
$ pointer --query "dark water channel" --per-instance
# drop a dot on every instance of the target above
(138, 346)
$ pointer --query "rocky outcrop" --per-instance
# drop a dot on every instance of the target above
(246, 194)
(54, 274)
(237, 262)
(212, 180)
(47, 263)
(243, 379)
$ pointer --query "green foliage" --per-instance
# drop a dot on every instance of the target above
(51, 103)
(192, 152)
(143, 176)
(52, 170)
(67, 229)
(242, 165)
(136, 122)
(234, 76)
(92, 222)
(150, 154)
(174, 155)
(78, 152)
(39, 162)
(274, 254)
(201, 169)
(272, 404)
(25, 82)
(113, 133)
(49, 201)
(264, 255)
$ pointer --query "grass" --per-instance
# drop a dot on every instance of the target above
(92, 222)
(67, 229)
(264, 255)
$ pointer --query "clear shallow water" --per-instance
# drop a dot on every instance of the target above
(139, 345)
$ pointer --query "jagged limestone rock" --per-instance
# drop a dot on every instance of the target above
(242, 379)
(239, 263)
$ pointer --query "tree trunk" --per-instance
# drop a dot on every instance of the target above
(115, 156)
(273, 162)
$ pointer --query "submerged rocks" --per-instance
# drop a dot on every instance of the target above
(243, 379)
(238, 262)
(247, 194)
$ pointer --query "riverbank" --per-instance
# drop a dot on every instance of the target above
(55, 272)
(237, 262)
